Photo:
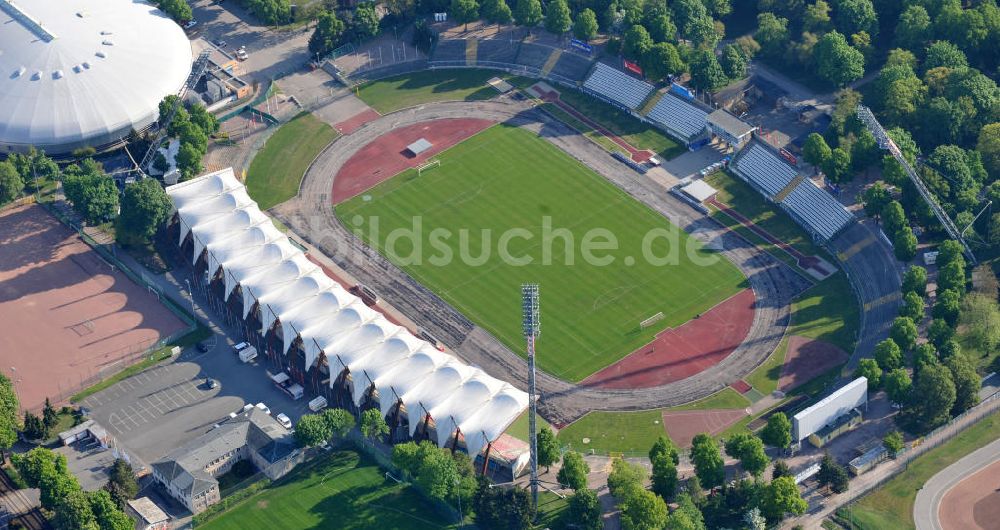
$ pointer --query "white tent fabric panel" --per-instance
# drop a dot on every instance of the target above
(381, 358)
(359, 342)
(224, 226)
(491, 420)
(247, 266)
(451, 410)
(278, 303)
(203, 187)
(442, 382)
(196, 213)
(245, 242)
(319, 309)
(273, 278)
(318, 336)
(406, 375)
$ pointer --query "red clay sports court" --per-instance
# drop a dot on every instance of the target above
(54, 286)
(686, 350)
(386, 156)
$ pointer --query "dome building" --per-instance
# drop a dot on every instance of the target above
(84, 73)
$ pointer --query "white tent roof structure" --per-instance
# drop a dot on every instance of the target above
(310, 305)
(84, 72)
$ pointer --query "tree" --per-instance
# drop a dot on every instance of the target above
(637, 42)
(373, 425)
(122, 484)
(947, 306)
(888, 355)
(9, 416)
(708, 463)
(686, 516)
(981, 319)
(778, 431)
(750, 451)
(312, 430)
(144, 208)
(780, 469)
(339, 421)
(574, 470)
(34, 428)
(914, 28)
(72, 512)
(838, 166)
(203, 119)
(585, 509)
(179, 10)
(664, 446)
(327, 34)
(93, 194)
(734, 63)
(832, 474)
(107, 514)
(893, 442)
(837, 61)
(664, 476)
(815, 150)
(188, 160)
(967, 383)
(496, 11)
(782, 496)
(869, 369)
(913, 306)
(875, 198)
(528, 13)
(623, 475)
(904, 333)
(897, 385)
(642, 510)
(548, 448)
(365, 21)
(952, 276)
(464, 11)
(946, 54)
(772, 34)
(915, 280)
(662, 29)
(585, 25)
(11, 183)
(706, 72)
(933, 397)
(988, 145)
(753, 519)
(939, 332)
(557, 19)
(817, 16)
(662, 60)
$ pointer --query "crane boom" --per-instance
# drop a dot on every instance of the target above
(885, 142)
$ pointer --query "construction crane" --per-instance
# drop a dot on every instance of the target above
(885, 142)
(197, 70)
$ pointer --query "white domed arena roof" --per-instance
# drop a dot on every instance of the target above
(77, 73)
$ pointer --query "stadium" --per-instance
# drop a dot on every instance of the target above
(86, 73)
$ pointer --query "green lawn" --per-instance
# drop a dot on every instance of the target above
(827, 311)
(581, 127)
(727, 398)
(765, 377)
(521, 198)
(747, 202)
(633, 131)
(630, 432)
(519, 429)
(277, 170)
(399, 92)
(342, 490)
(891, 507)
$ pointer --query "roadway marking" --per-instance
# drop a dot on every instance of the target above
(891, 297)
(855, 248)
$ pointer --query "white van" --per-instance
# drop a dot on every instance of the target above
(248, 354)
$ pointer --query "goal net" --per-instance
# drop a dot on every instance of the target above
(651, 320)
(428, 166)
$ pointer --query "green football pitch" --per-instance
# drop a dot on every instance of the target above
(507, 189)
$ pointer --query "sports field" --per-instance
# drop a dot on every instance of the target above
(275, 173)
(499, 190)
(342, 490)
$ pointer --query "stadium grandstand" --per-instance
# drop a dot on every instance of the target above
(497, 50)
(816, 210)
(617, 87)
(451, 50)
(572, 66)
(533, 55)
(327, 339)
(682, 119)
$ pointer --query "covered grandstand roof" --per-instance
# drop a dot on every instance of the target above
(684, 118)
(329, 320)
(84, 72)
(732, 125)
(618, 86)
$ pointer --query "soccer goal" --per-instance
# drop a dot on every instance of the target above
(428, 166)
(651, 320)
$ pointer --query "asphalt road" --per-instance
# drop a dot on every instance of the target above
(928, 503)
(311, 217)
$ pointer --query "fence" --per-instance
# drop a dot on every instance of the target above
(932, 440)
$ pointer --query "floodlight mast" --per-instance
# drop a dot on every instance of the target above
(885, 142)
(531, 327)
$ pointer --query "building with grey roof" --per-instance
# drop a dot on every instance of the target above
(189, 473)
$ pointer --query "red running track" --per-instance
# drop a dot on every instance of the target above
(355, 122)
(386, 156)
(681, 352)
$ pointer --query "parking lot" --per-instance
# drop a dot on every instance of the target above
(158, 410)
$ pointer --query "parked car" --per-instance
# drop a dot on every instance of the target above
(211, 383)
(240, 346)
(190, 24)
(219, 43)
(284, 420)
(203, 346)
(241, 53)
(263, 407)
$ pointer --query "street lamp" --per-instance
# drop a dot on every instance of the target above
(191, 294)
